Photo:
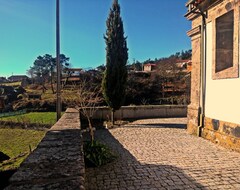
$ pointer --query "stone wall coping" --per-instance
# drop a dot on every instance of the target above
(147, 106)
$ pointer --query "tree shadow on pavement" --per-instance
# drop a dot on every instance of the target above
(126, 172)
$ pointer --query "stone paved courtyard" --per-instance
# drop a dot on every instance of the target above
(159, 154)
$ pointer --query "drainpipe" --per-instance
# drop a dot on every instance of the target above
(201, 110)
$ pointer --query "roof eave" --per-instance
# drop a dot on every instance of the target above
(194, 8)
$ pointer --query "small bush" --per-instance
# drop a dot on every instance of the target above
(97, 154)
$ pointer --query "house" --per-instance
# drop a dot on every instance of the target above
(71, 80)
(149, 67)
(3, 79)
(17, 78)
(73, 71)
(214, 112)
(72, 76)
(184, 65)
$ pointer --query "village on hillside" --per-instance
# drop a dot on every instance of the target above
(163, 81)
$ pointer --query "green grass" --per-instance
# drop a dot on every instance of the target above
(16, 144)
(33, 117)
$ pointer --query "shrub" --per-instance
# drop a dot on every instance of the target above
(97, 154)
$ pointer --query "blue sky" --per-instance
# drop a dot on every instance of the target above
(155, 28)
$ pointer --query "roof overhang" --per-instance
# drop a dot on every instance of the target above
(196, 7)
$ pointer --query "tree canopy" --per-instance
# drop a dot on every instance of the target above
(115, 75)
(44, 68)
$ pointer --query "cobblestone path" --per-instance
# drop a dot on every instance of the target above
(159, 154)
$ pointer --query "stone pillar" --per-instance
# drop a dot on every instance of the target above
(193, 108)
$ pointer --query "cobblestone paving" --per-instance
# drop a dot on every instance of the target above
(159, 154)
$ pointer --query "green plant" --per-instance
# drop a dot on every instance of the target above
(97, 154)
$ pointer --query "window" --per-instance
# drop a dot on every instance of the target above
(224, 42)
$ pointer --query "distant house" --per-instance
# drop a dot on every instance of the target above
(184, 65)
(215, 83)
(17, 78)
(73, 71)
(149, 67)
(3, 79)
(71, 76)
(70, 80)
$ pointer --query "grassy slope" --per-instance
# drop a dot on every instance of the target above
(16, 144)
(33, 117)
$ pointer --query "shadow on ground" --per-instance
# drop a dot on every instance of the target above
(159, 125)
(128, 173)
(4, 176)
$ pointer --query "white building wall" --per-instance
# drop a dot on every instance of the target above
(222, 95)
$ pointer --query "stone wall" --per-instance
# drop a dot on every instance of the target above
(223, 133)
(142, 112)
(57, 162)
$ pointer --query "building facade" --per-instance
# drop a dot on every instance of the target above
(149, 67)
(17, 78)
(214, 112)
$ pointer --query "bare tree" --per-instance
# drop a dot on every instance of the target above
(85, 99)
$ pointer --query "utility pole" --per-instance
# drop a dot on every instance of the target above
(58, 104)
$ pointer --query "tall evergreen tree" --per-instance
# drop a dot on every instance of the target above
(115, 75)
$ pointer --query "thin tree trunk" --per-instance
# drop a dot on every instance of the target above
(52, 84)
(43, 86)
(112, 116)
(91, 128)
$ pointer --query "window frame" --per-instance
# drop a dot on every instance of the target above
(231, 72)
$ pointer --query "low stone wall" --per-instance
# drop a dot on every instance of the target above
(220, 132)
(142, 112)
(57, 162)
(223, 133)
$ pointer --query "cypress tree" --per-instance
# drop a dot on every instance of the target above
(115, 75)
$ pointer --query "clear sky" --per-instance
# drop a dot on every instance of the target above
(155, 28)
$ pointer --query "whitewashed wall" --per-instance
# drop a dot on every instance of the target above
(222, 95)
